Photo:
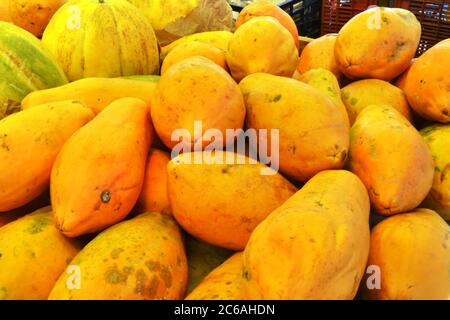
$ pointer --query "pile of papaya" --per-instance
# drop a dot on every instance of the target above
(108, 192)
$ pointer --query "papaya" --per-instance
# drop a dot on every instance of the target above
(25, 66)
(360, 94)
(194, 90)
(202, 258)
(33, 15)
(153, 197)
(391, 158)
(427, 83)
(219, 39)
(223, 283)
(4, 11)
(401, 80)
(223, 198)
(378, 43)
(437, 138)
(325, 81)
(33, 254)
(313, 134)
(194, 48)
(96, 93)
(97, 177)
(102, 38)
(412, 253)
(30, 140)
(319, 53)
(262, 44)
(138, 259)
(264, 8)
(314, 246)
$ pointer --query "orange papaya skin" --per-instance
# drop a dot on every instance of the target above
(98, 175)
(30, 141)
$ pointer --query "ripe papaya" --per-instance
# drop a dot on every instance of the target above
(30, 140)
(391, 158)
(313, 134)
(25, 66)
(154, 197)
(138, 259)
(98, 175)
(222, 283)
(437, 138)
(96, 93)
(378, 43)
(102, 39)
(33, 254)
(412, 253)
(314, 246)
(223, 198)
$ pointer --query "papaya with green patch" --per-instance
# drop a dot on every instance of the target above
(33, 254)
(138, 259)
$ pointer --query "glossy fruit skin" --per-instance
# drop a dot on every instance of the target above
(25, 66)
(314, 246)
(31, 140)
(196, 89)
(412, 251)
(268, 9)
(96, 93)
(33, 255)
(360, 94)
(96, 183)
(313, 134)
(154, 197)
(391, 158)
(427, 83)
(319, 53)
(378, 43)
(437, 138)
(222, 283)
(33, 15)
(262, 44)
(221, 201)
(138, 259)
(82, 31)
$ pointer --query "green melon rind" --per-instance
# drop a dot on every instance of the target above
(25, 66)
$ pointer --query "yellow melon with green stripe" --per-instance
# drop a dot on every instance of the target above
(25, 66)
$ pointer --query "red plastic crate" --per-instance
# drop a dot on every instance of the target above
(434, 17)
(335, 13)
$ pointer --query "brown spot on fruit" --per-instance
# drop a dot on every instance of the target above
(116, 252)
(114, 276)
(166, 276)
(105, 196)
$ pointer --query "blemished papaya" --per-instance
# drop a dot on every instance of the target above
(221, 200)
(391, 158)
(138, 259)
(319, 53)
(360, 94)
(222, 283)
(314, 246)
(191, 49)
(202, 259)
(427, 84)
(437, 138)
(412, 253)
(378, 43)
(30, 140)
(103, 38)
(325, 81)
(264, 8)
(218, 39)
(97, 177)
(154, 196)
(312, 133)
(262, 44)
(96, 93)
(192, 91)
(33, 254)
